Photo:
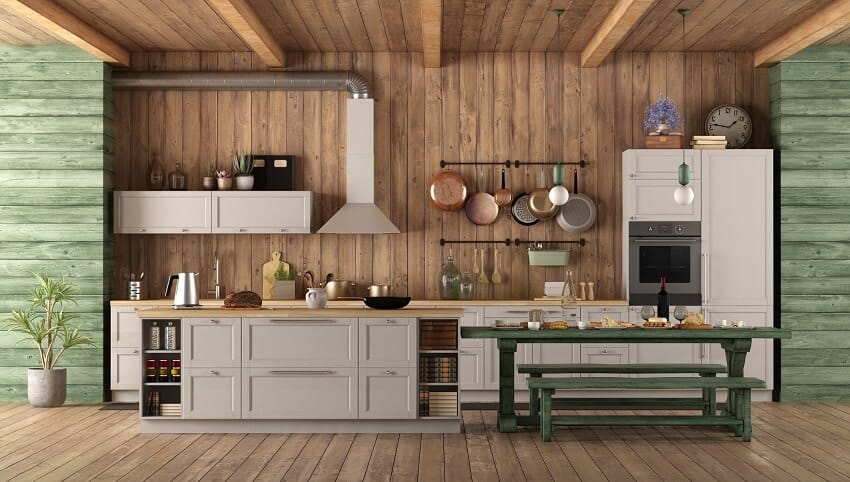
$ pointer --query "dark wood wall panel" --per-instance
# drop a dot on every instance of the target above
(481, 105)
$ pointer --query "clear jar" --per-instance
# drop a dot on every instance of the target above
(568, 295)
(450, 280)
(467, 287)
(156, 175)
(176, 179)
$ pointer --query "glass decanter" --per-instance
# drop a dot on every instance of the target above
(467, 287)
(568, 294)
(450, 280)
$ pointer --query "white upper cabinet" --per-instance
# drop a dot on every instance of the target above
(261, 212)
(652, 200)
(188, 212)
(659, 164)
(158, 212)
(737, 227)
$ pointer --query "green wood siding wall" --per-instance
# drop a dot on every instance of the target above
(56, 141)
(810, 117)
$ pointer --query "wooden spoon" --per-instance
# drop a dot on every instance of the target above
(497, 276)
(482, 278)
(475, 268)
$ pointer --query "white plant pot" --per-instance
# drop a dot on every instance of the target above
(46, 388)
(244, 183)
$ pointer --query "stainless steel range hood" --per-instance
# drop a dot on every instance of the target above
(359, 215)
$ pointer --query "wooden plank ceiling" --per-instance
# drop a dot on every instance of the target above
(396, 25)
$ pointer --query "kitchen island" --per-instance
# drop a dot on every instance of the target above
(299, 370)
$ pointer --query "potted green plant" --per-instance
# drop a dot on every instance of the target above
(50, 328)
(243, 166)
(209, 178)
(284, 284)
(224, 179)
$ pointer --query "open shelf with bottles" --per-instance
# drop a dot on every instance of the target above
(439, 397)
(161, 369)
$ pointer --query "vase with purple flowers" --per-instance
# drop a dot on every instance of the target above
(662, 116)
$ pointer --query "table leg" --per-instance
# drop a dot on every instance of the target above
(534, 398)
(736, 356)
(507, 421)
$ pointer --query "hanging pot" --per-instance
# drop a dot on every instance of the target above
(521, 213)
(579, 213)
(503, 196)
(481, 207)
(539, 204)
(448, 191)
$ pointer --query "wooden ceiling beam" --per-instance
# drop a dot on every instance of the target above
(622, 17)
(65, 26)
(248, 25)
(432, 32)
(827, 21)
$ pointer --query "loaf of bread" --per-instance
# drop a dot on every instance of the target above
(243, 299)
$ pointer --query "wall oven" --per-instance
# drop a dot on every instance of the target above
(669, 249)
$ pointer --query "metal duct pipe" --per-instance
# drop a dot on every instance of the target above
(350, 81)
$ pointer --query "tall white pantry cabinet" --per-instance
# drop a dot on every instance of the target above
(734, 201)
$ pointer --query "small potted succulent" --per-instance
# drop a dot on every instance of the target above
(209, 178)
(662, 116)
(284, 284)
(243, 166)
(51, 329)
(224, 179)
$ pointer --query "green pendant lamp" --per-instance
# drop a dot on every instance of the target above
(684, 194)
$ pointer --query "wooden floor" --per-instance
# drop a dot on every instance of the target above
(790, 442)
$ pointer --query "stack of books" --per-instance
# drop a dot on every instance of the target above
(170, 410)
(709, 142)
(442, 404)
(438, 369)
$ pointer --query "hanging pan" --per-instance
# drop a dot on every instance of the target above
(539, 204)
(448, 191)
(481, 207)
(579, 213)
(521, 213)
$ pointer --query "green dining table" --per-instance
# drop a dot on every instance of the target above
(735, 341)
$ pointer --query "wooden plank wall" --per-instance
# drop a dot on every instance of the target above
(479, 106)
(810, 115)
(56, 140)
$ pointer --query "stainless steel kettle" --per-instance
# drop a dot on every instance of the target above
(186, 293)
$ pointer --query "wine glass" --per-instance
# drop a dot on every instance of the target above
(680, 313)
(647, 312)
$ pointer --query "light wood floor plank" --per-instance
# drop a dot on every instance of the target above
(794, 442)
(357, 461)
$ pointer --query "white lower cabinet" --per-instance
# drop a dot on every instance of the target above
(211, 393)
(524, 354)
(212, 342)
(611, 354)
(299, 393)
(126, 369)
(388, 342)
(471, 368)
(269, 342)
(387, 393)
(759, 362)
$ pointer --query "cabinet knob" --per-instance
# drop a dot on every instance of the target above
(282, 230)
(214, 322)
(213, 372)
(142, 230)
(389, 322)
(135, 351)
(242, 230)
(389, 372)
(605, 351)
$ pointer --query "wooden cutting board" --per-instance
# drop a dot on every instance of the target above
(269, 269)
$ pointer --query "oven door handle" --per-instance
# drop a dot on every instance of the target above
(665, 240)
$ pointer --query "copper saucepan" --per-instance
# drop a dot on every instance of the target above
(448, 191)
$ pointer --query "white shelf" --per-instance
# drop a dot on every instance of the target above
(439, 384)
(163, 351)
(162, 417)
(162, 384)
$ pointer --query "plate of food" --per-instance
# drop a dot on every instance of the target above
(555, 325)
(502, 325)
(656, 323)
(694, 321)
(608, 323)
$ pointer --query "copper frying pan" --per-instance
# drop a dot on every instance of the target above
(448, 191)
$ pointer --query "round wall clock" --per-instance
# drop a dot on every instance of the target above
(731, 121)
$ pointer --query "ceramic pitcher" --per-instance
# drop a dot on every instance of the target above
(316, 298)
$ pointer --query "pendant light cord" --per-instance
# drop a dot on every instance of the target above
(684, 13)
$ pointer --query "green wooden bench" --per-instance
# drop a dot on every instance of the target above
(738, 418)
(708, 402)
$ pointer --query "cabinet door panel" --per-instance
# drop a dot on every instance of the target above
(472, 317)
(126, 328)
(737, 228)
(471, 374)
(387, 393)
(605, 354)
(388, 342)
(659, 163)
(300, 343)
(305, 393)
(261, 212)
(211, 393)
(650, 200)
(126, 369)
(212, 342)
(524, 354)
(162, 212)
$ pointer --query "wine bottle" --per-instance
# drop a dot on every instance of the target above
(663, 310)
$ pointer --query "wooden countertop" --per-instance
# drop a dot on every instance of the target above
(160, 313)
(358, 304)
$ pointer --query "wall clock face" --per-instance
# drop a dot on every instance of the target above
(731, 121)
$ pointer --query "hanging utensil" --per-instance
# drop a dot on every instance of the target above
(448, 191)
(579, 213)
(538, 202)
(481, 208)
(503, 196)
(482, 277)
(497, 275)
(475, 268)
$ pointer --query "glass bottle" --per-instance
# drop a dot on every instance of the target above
(568, 294)
(450, 280)
(467, 287)
(156, 175)
(663, 300)
(176, 179)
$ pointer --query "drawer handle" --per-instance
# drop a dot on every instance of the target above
(213, 372)
(389, 372)
(142, 230)
(214, 322)
(302, 321)
(518, 312)
(605, 351)
(301, 372)
(389, 322)
(242, 230)
(282, 230)
(184, 230)
(463, 352)
(135, 351)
